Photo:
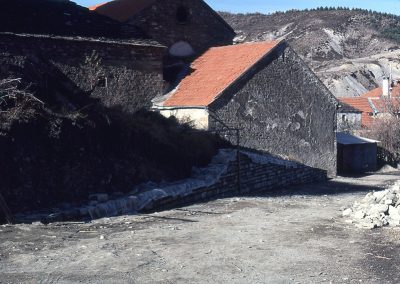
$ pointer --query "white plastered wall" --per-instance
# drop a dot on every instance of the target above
(197, 116)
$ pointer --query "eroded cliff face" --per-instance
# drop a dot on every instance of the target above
(350, 51)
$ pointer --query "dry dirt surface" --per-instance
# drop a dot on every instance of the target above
(295, 235)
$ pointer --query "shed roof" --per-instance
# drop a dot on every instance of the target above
(216, 70)
(348, 139)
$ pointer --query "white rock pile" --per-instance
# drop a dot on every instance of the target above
(376, 209)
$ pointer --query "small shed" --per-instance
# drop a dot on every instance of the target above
(355, 154)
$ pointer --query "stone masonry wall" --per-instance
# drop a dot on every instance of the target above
(254, 177)
(281, 107)
(204, 28)
(258, 173)
(120, 74)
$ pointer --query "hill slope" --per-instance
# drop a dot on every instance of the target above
(350, 50)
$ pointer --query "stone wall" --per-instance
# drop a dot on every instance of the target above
(348, 121)
(120, 74)
(204, 28)
(254, 177)
(258, 173)
(281, 107)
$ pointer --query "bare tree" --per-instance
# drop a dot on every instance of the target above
(386, 129)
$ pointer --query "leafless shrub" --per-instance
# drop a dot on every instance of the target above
(386, 129)
(11, 91)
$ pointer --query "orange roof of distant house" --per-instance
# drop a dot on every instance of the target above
(386, 105)
(363, 105)
(216, 70)
(376, 93)
(121, 10)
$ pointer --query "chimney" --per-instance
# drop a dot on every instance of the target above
(386, 87)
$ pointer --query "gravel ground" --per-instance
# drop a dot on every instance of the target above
(295, 235)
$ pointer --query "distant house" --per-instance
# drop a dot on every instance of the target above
(267, 92)
(187, 28)
(379, 102)
(348, 117)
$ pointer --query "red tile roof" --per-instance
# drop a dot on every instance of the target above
(376, 93)
(121, 10)
(386, 105)
(372, 102)
(363, 105)
(216, 70)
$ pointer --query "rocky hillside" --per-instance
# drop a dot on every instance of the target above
(350, 50)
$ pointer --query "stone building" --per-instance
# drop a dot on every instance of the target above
(348, 117)
(267, 92)
(124, 74)
(186, 27)
(66, 51)
(63, 18)
(379, 102)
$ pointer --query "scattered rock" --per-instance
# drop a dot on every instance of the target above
(347, 212)
(376, 209)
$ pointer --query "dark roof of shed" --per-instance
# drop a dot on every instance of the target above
(57, 17)
(348, 139)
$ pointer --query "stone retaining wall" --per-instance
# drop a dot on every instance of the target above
(220, 179)
(254, 177)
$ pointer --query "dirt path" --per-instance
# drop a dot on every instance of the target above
(290, 236)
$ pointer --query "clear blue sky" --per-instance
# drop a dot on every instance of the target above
(267, 6)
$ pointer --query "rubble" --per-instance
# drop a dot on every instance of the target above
(376, 209)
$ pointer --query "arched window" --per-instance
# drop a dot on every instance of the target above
(182, 15)
(181, 49)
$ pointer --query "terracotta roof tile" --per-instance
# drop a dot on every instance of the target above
(215, 70)
(385, 105)
(376, 93)
(121, 10)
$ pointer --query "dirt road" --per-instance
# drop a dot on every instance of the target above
(293, 235)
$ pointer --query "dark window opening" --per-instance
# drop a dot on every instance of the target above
(343, 117)
(102, 82)
(182, 15)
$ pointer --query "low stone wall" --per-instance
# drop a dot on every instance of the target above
(220, 179)
(255, 176)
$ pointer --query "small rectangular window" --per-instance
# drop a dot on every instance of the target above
(102, 82)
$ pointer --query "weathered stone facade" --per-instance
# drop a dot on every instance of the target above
(118, 73)
(281, 107)
(173, 21)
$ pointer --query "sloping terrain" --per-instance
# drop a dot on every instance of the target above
(49, 155)
(350, 50)
(293, 235)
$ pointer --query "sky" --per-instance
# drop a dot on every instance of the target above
(269, 6)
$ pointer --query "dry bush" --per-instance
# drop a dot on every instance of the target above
(12, 93)
(387, 130)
